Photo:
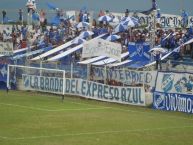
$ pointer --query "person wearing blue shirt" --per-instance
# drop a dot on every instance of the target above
(20, 15)
(4, 14)
(163, 41)
(184, 16)
(158, 60)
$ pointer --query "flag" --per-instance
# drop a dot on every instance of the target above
(35, 16)
(154, 4)
(51, 6)
(139, 51)
(154, 7)
(147, 12)
(7, 20)
(31, 53)
(55, 21)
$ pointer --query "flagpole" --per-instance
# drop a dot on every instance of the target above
(22, 19)
(153, 31)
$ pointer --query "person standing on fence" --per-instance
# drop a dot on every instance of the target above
(158, 60)
(21, 16)
(4, 15)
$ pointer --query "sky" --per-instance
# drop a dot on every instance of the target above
(166, 6)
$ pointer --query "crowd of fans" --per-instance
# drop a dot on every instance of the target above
(43, 34)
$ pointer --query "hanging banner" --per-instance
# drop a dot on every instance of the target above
(31, 53)
(6, 31)
(166, 20)
(100, 47)
(42, 83)
(84, 88)
(129, 77)
(173, 102)
(178, 83)
(97, 91)
(6, 48)
(139, 51)
(71, 15)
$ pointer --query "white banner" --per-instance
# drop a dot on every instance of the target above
(6, 31)
(100, 47)
(6, 48)
(178, 83)
(42, 83)
(7, 28)
(72, 15)
(166, 20)
(97, 91)
(84, 88)
(129, 77)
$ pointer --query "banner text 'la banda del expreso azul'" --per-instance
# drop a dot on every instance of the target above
(173, 102)
(84, 88)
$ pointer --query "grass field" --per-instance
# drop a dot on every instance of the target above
(28, 118)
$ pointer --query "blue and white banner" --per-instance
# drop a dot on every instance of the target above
(27, 54)
(6, 48)
(3, 72)
(139, 51)
(42, 83)
(173, 102)
(98, 91)
(6, 29)
(129, 77)
(178, 83)
(84, 88)
(166, 20)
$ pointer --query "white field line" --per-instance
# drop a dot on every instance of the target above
(85, 104)
(134, 111)
(54, 110)
(69, 100)
(154, 114)
(125, 110)
(96, 133)
(143, 112)
(96, 107)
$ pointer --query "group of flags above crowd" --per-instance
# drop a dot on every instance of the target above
(57, 35)
(83, 14)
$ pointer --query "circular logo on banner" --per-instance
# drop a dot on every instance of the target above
(159, 101)
(139, 49)
(26, 81)
(167, 82)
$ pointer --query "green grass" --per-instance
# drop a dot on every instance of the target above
(28, 118)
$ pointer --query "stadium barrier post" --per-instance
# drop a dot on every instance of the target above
(8, 76)
(64, 84)
(88, 72)
(71, 70)
(105, 76)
